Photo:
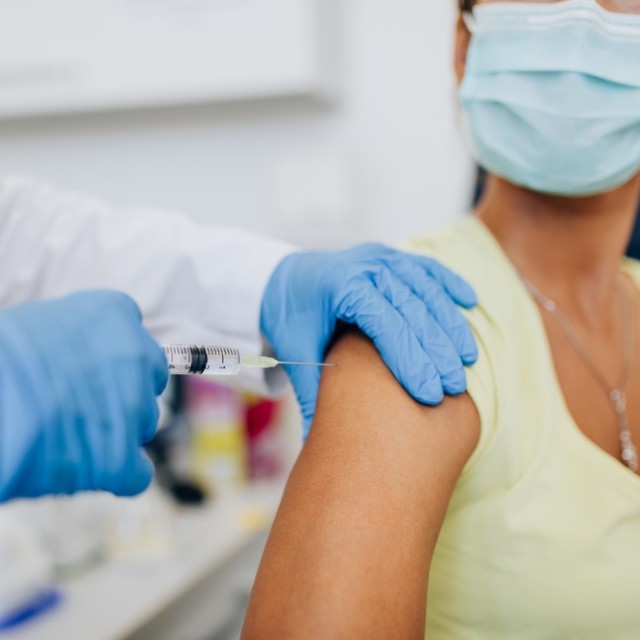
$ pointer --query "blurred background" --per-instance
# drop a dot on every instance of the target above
(325, 122)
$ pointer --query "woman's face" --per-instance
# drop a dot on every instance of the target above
(553, 95)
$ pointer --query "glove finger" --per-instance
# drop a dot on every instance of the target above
(397, 344)
(130, 419)
(141, 409)
(148, 422)
(81, 419)
(458, 289)
(156, 361)
(305, 381)
(138, 338)
(129, 337)
(141, 374)
(442, 308)
(137, 477)
(126, 302)
(432, 338)
(306, 428)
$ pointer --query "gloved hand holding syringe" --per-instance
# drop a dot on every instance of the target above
(188, 359)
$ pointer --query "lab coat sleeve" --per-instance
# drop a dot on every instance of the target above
(193, 283)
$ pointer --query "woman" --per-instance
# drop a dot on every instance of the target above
(516, 507)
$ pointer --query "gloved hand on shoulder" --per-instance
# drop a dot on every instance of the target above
(405, 303)
(79, 378)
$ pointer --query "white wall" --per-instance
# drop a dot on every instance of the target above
(395, 123)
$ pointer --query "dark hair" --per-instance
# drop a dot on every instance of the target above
(466, 5)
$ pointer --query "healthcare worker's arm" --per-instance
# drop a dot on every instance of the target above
(193, 283)
(350, 550)
(222, 286)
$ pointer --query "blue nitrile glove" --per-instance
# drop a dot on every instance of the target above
(78, 383)
(405, 303)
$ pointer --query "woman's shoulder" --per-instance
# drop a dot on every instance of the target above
(467, 247)
(507, 327)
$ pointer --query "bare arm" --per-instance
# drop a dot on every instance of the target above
(349, 553)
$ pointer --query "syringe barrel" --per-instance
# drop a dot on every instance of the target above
(188, 359)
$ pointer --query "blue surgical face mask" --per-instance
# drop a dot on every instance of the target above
(552, 94)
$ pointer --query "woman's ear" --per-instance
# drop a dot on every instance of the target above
(463, 37)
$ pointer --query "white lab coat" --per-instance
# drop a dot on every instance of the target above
(193, 283)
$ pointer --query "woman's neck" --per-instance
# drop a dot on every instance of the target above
(570, 248)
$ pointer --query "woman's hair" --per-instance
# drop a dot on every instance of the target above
(466, 5)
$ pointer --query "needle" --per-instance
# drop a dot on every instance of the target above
(310, 364)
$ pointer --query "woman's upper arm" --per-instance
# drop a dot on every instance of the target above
(349, 552)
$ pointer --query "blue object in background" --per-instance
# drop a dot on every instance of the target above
(44, 603)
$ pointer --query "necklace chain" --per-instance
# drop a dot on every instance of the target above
(615, 393)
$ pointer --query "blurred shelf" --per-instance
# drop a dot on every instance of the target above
(197, 593)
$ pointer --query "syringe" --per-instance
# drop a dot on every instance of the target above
(191, 359)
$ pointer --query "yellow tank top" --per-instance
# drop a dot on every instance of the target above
(542, 535)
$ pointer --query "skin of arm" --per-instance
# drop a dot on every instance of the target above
(350, 549)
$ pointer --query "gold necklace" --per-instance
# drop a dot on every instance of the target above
(615, 393)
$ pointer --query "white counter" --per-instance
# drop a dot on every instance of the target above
(197, 593)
